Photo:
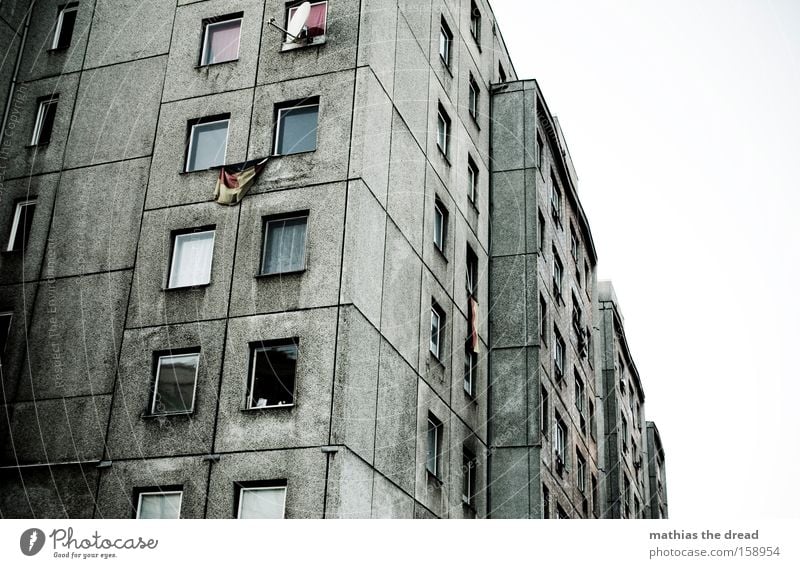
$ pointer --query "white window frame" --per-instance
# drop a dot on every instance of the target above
(474, 97)
(443, 125)
(436, 425)
(158, 376)
(192, 142)
(439, 236)
(242, 490)
(15, 223)
(264, 244)
(10, 316)
(60, 23)
(160, 493)
(555, 201)
(475, 22)
(580, 394)
(40, 114)
(436, 348)
(470, 373)
(472, 175)
(558, 275)
(289, 44)
(279, 125)
(559, 355)
(581, 474)
(254, 350)
(174, 256)
(445, 43)
(204, 55)
(469, 477)
(561, 440)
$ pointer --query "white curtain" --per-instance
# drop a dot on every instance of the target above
(285, 249)
(262, 503)
(191, 261)
(160, 506)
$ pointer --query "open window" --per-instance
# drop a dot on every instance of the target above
(192, 253)
(474, 97)
(313, 32)
(65, 26)
(273, 369)
(45, 119)
(433, 462)
(443, 131)
(155, 504)
(261, 500)
(445, 43)
(21, 224)
(470, 370)
(475, 22)
(221, 38)
(439, 225)
(208, 142)
(472, 181)
(175, 383)
(437, 326)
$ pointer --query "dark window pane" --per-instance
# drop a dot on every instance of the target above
(67, 27)
(5, 330)
(273, 375)
(22, 227)
(176, 379)
(297, 130)
(48, 119)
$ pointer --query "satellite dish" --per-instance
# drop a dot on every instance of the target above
(298, 20)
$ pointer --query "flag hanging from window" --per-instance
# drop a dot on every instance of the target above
(473, 325)
(234, 181)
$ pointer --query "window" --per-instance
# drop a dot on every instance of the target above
(560, 512)
(175, 383)
(445, 43)
(437, 323)
(542, 228)
(624, 433)
(501, 72)
(159, 505)
(626, 495)
(561, 444)
(221, 39)
(545, 410)
(559, 349)
(474, 96)
(589, 349)
(543, 319)
(443, 131)
(5, 332)
(555, 199)
(65, 26)
(587, 279)
(581, 473)
(472, 181)
(21, 224)
(434, 456)
(558, 274)
(470, 371)
(439, 225)
(592, 423)
(208, 143)
(261, 502)
(469, 464)
(191, 258)
(472, 272)
(577, 316)
(316, 24)
(475, 22)
(45, 118)
(545, 502)
(595, 501)
(573, 242)
(580, 394)
(284, 244)
(296, 129)
(273, 366)
(539, 150)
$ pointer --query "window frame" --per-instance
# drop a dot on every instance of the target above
(443, 136)
(438, 313)
(260, 346)
(437, 427)
(12, 245)
(540, 150)
(441, 210)
(544, 411)
(543, 319)
(472, 179)
(472, 272)
(144, 492)
(306, 40)
(445, 43)
(580, 394)
(265, 234)
(475, 23)
(558, 275)
(560, 441)
(65, 9)
(217, 21)
(559, 354)
(580, 473)
(281, 108)
(555, 199)
(474, 98)
(574, 243)
(206, 121)
(3, 315)
(159, 355)
(242, 487)
(174, 240)
(42, 106)
(470, 371)
(542, 235)
(469, 464)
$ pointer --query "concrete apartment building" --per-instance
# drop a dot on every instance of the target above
(656, 473)
(400, 318)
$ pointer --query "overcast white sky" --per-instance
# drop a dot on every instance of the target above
(683, 120)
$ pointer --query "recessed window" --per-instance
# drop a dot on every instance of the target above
(469, 466)
(555, 199)
(474, 97)
(65, 26)
(573, 242)
(159, 505)
(592, 423)
(273, 369)
(577, 316)
(580, 394)
(296, 126)
(445, 43)
(475, 22)
(545, 410)
(191, 258)
(284, 244)
(545, 502)
(434, 446)
(175, 383)
(587, 278)
(543, 319)
(560, 444)
(221, 39)
(501, 72)
(559, 349)
(581, 473)
(5, 332)
(472, 180)
(261, 502)
(560, 512)
(595, 500)
(470, 370)
(539, 150)
(472, 273)
(624, 433)
(314, 30)
(45, 118)
(21, 224)
(443, 131)
(439, 225)
(208, 142)
(437, 326)
(558, 274)
(542, 228)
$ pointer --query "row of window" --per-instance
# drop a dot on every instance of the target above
(260, 500)
(560, 512)
(433, 461)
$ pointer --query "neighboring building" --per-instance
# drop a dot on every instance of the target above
(656, 473)
(323, 348)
